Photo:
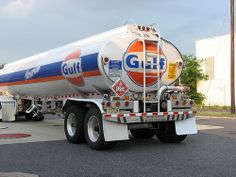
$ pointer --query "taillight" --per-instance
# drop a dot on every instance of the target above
(191, 103)
(105, 60)
(177, 103)
(184, 103)
(117, 104)
(126, 97)
(108, 104)
(126, 103)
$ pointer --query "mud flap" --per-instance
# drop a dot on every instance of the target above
(186, 127)
(115, 131)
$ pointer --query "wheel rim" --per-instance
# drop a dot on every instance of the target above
(93, 128)
(71, 124)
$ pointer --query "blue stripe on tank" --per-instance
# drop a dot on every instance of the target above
(88, 63)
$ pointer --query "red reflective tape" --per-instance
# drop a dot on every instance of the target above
(132, 115)
(154, 114)
(120, 115)
(144, 114)
(165, 113)
(107, 115)
(176, 113)
(185, 112)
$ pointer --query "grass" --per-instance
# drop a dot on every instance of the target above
(215, 114)
(215, 111)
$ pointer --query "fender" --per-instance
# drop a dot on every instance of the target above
(85, 102)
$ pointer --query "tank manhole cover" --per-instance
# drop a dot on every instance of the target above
(14, 135)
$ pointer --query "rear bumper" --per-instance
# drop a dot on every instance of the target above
(148, 117)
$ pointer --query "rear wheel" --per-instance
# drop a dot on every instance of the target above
(74, 125)
(94, 130)
(142, 133)
(167, 133)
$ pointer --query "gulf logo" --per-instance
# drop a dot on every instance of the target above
(133, 62)
(71, 69)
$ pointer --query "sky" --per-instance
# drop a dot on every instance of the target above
(28, 27)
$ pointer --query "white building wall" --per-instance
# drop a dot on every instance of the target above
(217, 88)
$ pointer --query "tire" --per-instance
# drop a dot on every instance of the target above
(74, 124)
(142, 133)
(94, 130)
(167, 134)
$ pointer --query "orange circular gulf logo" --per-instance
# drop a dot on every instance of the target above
(71, 68)
(134, 63)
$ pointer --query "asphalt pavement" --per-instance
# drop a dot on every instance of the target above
(212, 152)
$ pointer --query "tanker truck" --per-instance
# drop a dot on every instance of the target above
(108, 87)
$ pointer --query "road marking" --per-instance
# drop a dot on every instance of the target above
(208, 127)
(17, 174)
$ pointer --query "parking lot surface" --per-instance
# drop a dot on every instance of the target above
(212, 152)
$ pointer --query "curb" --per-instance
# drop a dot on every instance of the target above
(215, 117)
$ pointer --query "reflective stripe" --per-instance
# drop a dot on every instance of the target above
(176, 115)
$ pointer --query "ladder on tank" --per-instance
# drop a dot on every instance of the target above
(157, 66)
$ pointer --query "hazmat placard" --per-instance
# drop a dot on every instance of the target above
(120, 88)
(172, 71)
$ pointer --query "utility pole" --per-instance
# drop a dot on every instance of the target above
(232, 86)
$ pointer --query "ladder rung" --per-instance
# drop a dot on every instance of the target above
(151, 76)
(151, 54)
(151, 101)
(152, 40)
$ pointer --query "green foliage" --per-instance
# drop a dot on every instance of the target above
(191, 75)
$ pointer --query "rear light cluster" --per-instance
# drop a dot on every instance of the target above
(145, 28)
(183, 103)
(118, 103)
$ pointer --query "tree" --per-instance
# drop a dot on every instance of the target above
(2, 66)
(191, 75)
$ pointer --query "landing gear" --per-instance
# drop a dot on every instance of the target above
(32, 111)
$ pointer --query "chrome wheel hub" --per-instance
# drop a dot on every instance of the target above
(93, 128)
(71, 124)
